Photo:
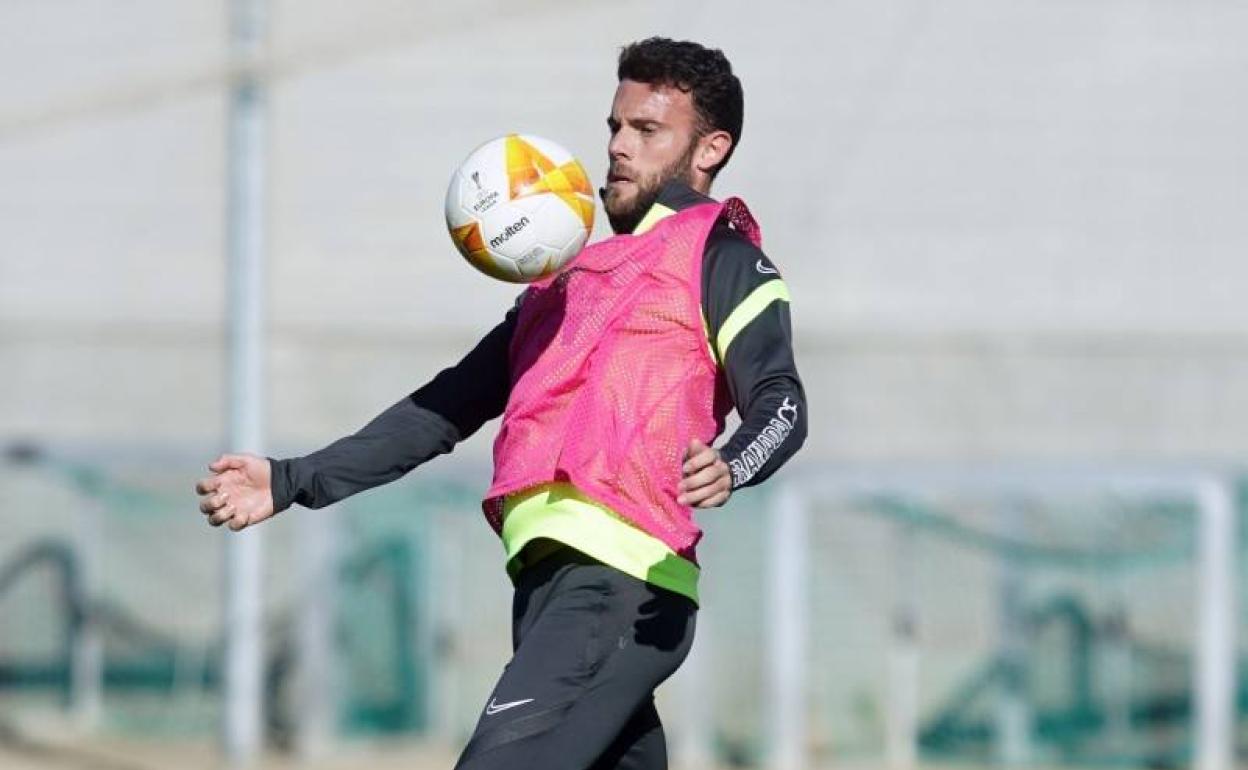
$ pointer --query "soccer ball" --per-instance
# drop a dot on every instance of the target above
(519, 208)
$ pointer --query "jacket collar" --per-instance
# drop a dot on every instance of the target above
(675, 196)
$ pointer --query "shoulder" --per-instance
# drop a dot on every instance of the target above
(730, 255)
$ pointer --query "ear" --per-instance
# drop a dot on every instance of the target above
(712, 149)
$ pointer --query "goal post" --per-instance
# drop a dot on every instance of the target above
(1210, 494)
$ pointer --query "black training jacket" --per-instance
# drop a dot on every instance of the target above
(757, 364)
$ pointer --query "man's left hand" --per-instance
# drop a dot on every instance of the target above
(706, 482)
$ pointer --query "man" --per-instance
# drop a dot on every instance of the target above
(613, 379)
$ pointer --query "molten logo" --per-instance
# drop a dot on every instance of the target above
(507, 232)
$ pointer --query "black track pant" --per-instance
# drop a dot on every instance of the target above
(591, 645)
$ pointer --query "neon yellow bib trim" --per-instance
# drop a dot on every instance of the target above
(561, 512)
(657, 213)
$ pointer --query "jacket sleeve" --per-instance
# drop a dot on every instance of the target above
(747, 308)
(421, 426)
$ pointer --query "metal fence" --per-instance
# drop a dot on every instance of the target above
(896, 616)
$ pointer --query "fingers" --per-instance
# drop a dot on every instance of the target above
(694, 447)
(207, 486)
(215, 501)
(212, 503)
(221, 516)
(707, 482)
(697, 457)
(228, 462)
(705, 477)
(708, 495)
(715, 500)
(231, 515)
(219, 510)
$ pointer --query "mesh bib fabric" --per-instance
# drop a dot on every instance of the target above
(611, 376)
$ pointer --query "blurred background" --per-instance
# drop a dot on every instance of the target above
(1015, 236)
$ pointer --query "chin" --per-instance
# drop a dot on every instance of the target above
(619, 213)
(617, 203)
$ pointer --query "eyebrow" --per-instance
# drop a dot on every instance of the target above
(635, 122)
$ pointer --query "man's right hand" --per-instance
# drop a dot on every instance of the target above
(238, 492)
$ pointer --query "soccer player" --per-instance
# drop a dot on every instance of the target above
(613, 380)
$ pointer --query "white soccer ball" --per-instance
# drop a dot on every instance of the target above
(519, 208)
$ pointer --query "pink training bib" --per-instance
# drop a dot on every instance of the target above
(611, 376)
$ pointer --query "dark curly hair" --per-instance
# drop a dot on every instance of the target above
(703, 73)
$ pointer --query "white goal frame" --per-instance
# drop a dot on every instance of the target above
(1212, 492)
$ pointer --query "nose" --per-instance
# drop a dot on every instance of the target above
(619, 148)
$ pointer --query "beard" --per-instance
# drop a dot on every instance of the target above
(625, 215)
